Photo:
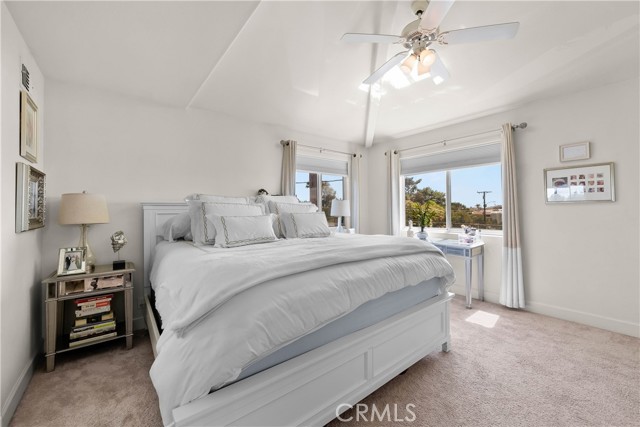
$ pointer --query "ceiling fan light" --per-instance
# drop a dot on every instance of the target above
(427, 57)
(423, 69)
(408, 64)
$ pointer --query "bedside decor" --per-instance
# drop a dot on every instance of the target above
(118, 240)
(587, 183)
(28, 127)
(30, 198)
(71, 261)
(340, 208)
(578, 151)
(83, 209)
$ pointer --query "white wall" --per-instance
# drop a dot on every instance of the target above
(20, 258)
(133, 151)
(580, 260)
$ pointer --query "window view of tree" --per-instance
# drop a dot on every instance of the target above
(332, 187)
(475, 199)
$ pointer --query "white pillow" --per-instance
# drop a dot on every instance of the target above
(203, 230)
(219, 199)
(177, 227)
(265, 199)
(305, 225)
(234, 231)
(279, 208)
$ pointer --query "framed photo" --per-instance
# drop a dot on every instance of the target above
(577, 151)
(586, 183)
(72, 261)
(28, 127)
(30, 198)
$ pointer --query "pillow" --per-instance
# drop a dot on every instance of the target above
(202, 228)
(279, 208)
(219, 199)
(305, 225)
(177, 227)
(234, 231)
(265, 199)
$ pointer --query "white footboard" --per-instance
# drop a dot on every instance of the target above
(307, 390)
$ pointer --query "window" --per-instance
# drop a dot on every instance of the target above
(319, 180)
(461, 187)
(320, 189)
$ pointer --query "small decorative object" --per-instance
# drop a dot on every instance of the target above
(30, 198)
(410, 229)
(587, 183)
(263, 192)
(71, 261)
(28, 127)
(578, 151)
(118, 240)
(340, 208)
(84, 209)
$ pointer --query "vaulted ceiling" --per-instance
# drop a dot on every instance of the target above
(282, 62)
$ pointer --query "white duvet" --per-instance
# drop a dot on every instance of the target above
(223, 309)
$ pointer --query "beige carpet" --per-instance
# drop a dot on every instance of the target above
(526, 370)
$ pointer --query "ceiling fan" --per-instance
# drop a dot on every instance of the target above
(420, 60)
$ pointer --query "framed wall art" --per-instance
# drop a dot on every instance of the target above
(30, 198)
(586, 183)
(72, 261)
(577, 151)
(28, 127)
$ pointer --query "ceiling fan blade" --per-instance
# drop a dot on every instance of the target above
(370, 38)
(480, 34)
(377, 74)
(439, 72)
(435, 13)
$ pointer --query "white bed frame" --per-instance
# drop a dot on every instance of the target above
(307, 389)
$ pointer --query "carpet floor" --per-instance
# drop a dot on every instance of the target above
(505, 368)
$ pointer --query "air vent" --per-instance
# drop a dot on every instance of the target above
(25, 77)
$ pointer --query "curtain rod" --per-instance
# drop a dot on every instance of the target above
(283, 142)
(444, 141)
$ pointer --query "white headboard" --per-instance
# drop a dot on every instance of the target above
(154, 216)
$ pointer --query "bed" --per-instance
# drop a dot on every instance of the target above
(310, 369)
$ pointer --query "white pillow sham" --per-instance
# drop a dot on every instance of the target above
(203, 230)
(279, 208)
(234, 231)
(265, 199)
(218, 199)
(305, 225)
(177, 227)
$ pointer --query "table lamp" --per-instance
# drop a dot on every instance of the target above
(84, 209)
(340, 208)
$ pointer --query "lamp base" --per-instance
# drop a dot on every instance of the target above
(119, 265)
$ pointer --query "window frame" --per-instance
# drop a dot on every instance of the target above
(345, 183)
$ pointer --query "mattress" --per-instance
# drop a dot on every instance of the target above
(364, 316)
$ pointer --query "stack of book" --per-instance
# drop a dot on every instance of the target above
(94, 320)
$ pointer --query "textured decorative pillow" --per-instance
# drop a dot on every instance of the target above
(234, 231)
(305, 225)
(177, 227)
(279, 208)
(202, 229)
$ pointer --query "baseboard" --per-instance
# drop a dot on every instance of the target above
(18, 389)
(602, 322)
(139, 324)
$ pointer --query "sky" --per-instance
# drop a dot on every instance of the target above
(466, 182)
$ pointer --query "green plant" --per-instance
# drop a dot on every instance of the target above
(425, 216)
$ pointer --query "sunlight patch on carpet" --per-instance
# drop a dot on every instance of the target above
(483, 318)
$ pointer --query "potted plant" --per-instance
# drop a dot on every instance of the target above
(425, 218)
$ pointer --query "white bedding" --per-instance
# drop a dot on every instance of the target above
(222, 309)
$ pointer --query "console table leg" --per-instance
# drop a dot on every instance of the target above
(468, 268)
(481, 277)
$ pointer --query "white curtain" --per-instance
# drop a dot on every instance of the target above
(393, 170)
(288, 180)
(512, 289)
(354, 191)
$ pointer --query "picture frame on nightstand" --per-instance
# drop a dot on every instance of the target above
(72, 261)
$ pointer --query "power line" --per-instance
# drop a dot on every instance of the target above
(484, 205)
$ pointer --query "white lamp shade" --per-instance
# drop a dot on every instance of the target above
(340, 208)
(83, 208)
